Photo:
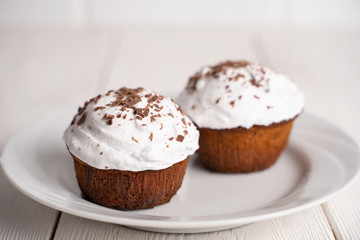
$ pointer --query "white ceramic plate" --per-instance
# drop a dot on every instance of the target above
(319, 161)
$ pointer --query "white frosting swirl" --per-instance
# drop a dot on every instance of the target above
(240, 94)
(152, 134)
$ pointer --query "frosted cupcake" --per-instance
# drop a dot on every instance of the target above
(130, 148)
(244, 112)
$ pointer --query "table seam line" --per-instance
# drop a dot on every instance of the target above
(56, 224)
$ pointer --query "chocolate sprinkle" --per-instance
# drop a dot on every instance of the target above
(132, 138)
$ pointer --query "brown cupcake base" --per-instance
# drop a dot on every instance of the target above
(243, 150)
(128, 190)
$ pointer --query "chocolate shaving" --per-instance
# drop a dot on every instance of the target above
(132, 138)
(82, 119)
(171, 115)
(161, 127)
(185, 132)
(183, 121)
(180, 138)
(95, 99)
(214, 71)
(108, 118)
(218, 100)
(151, 136)
(257, 97)
(126, 97)
(170, 139)
(99, 108)
(180, 110)
(193, 107)
(125, 100)
(232, 103)
(142, 112)
(255, 83)
(153, 117)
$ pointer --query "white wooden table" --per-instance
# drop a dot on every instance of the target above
(45, 69)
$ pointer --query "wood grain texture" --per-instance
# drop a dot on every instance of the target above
(309, 224)
(343, 213)
(317, 60)
(326, 66)
(164, 60)
(40, 71)
(22, 217)
(45, 70)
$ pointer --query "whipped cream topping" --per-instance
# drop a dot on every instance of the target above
(240, 94)
(131, 130)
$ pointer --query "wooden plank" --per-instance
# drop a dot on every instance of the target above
(307, 224)
(343, 213)
(326, 64)
(40, 71)
(164, 60)
(22, 217)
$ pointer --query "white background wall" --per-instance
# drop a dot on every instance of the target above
(78, 13)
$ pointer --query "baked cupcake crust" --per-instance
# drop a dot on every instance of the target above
(127, 190)
(243, 150)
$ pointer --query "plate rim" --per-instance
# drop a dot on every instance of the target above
(166, 225)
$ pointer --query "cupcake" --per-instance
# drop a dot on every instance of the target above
(130, 148)
(244, 111)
